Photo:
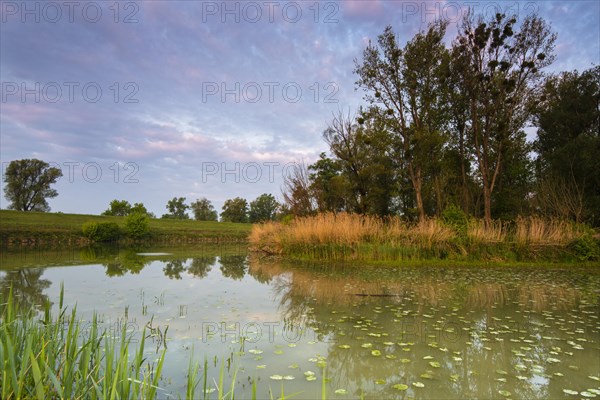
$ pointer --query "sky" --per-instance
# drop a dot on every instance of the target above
(149, 100)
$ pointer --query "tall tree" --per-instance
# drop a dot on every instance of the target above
(297, 193)
(203, 210)
(501, 72)
(568, 144)
(118, 208)
(235, 210)
(263, 208)
(28, 184)
(407, 85)
(328, 184)
(177, 208)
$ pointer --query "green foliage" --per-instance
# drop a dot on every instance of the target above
(28, 184)
(101, 231)
(457, 219)
(568, 141)
(235, 210)
(585, 248)
(136, 225)
(203, 210)
(177, 208)
(264, 208)
(118, 208)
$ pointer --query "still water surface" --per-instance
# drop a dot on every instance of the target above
(380, 332)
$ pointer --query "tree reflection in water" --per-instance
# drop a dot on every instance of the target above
(474, 322)
(27, 286)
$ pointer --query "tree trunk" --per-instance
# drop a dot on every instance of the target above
(487, 205)
(418, 184)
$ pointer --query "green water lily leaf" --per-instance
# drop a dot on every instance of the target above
(375, 353)
(500, 379)
(289, 378)
(571, 392)
(454, 377)
(426, 375)
(380, 381)
(404, 360)
(311, 378)
(390, 356)
(262, 366)
(588, 394)
(418, 384)
(428, 358)
(366, 345)
(344, 346)
(276, 377)
(504, 393)
(309, 373)
(596, 378)
(278, 352)
(501, 372)
(434, 364)
(400, 386)
(255, 351)
(293, 366)
(552, 360)
(340, 391)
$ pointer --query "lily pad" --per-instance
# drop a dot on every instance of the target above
(340, 391)
(400, 386)
(344, 346)
(571, 392)
(418, 384)
(504, 393)
(434, 364)
(588, 394)
(375, 353)
(276, 377)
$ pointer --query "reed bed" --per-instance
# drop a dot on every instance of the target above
(351, 236)
(60, 358)
(534, 230)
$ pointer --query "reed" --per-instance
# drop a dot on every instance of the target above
(59, 357)
(344, 236)
(535, 230)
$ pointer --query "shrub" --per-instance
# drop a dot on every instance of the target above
(101, 232)
(136, 225)
(585, 248)
(457, 219)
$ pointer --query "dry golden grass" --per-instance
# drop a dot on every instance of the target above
(535, 230)
(344, 235)
(479, 232)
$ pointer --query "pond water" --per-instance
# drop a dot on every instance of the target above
(377, 332)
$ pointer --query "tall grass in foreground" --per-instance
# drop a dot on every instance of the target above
(353, 236)
(57, 357)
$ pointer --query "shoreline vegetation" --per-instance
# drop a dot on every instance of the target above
(39, 229)
(347, 237)
(60, 356)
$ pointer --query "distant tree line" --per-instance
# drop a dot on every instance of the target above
(445, 126)
(264, 208)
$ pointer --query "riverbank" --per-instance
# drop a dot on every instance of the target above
(370, 239)
(28, 229)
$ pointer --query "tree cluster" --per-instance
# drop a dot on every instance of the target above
(445, 126)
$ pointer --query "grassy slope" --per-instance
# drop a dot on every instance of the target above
(21, 224)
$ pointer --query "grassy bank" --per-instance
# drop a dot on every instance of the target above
(354, 237)
(34, 228)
